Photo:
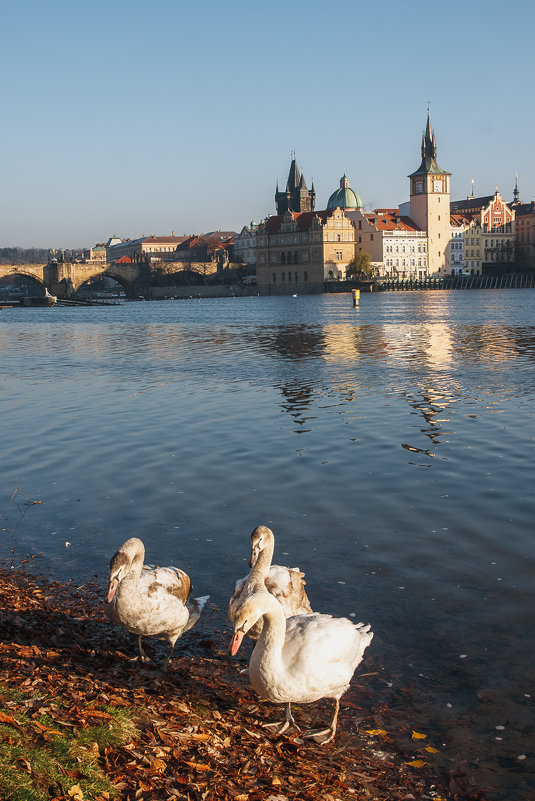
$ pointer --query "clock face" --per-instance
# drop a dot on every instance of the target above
(419, 187)
(437, 186)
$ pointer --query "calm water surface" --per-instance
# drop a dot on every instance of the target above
(390, 447)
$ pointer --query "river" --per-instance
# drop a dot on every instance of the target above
(388, 446)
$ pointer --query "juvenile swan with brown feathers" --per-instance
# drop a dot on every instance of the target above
(286, 584)
(150, 601)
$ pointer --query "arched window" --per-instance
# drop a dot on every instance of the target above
(289, 258)
(283, 258)
(295, 257)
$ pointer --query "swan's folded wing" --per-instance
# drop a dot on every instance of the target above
(287, 585)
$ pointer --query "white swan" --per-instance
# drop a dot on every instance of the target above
(150, 601)
(286, 584)
(301, 659)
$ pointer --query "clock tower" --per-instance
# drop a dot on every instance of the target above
(430, 204)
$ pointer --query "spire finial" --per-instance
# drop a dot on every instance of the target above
(516, 193)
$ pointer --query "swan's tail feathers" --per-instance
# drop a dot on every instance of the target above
(366, 634)
(201, 601)
(194, 606)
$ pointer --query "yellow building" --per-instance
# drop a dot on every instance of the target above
(298, 252)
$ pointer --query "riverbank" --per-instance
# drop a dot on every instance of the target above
(67, 677)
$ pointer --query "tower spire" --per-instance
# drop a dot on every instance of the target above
(516, 193)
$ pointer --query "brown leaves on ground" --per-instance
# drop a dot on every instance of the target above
(198, 727)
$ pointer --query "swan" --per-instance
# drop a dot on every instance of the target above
(286, 584)
(300, 659)
(150, 601)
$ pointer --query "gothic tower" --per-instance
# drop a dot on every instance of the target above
(296, 197)
(430, 204)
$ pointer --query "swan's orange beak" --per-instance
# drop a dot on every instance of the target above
(236, 642)
(112, 587)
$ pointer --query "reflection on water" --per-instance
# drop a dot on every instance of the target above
(407, 496)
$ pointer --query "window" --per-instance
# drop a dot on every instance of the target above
(305, 276)
(283, 277)
(274, 278)
(283, 258)
(295, 257)
(296, 277)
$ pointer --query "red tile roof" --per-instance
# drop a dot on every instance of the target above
(391, 221)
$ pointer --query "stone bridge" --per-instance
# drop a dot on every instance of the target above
(63, 279)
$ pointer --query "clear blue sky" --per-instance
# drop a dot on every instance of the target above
(135, 117)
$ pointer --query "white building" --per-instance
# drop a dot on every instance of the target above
(397, 247)
(245, 245)
(458, 224)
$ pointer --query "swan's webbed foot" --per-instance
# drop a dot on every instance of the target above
(277, 728)
(284, 725)
(321, 736)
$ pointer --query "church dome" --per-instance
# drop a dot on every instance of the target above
(345, 197)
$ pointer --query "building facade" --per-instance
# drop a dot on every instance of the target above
(245, 245)
(458, 223)
(145, 248)
(398, 248)
(489, 237)
(300, 251)
(525, 235)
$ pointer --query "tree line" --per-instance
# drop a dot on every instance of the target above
(15, 255)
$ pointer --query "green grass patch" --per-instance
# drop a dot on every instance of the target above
(40, 758)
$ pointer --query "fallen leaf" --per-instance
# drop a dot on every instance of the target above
(432, 750)
(417, 763)
(198, 766)
(8, 719)
(376, 732)
(416, 735)
(76, 793)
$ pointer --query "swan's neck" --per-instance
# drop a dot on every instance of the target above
(136, 555)
(137, 566)
(271, 640)
(262, 565)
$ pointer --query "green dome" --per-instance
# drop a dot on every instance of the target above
(345, 197)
